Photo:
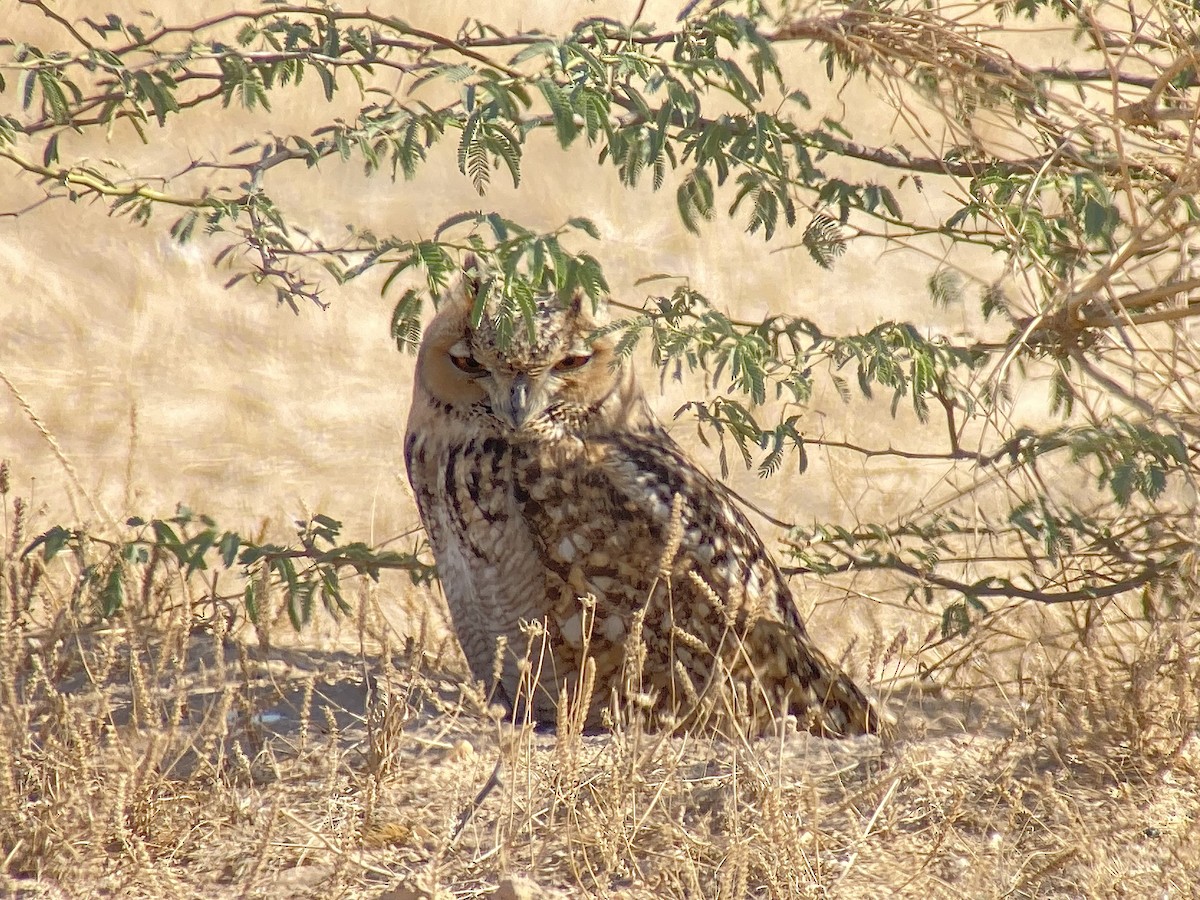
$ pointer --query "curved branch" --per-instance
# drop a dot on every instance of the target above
(97, 185)
(991, 587)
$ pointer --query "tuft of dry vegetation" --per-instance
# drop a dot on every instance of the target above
(186, 753)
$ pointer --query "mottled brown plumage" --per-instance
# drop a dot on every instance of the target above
(567, 524)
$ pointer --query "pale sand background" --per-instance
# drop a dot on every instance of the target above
(248, 412)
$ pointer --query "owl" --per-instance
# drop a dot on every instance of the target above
(586, 560)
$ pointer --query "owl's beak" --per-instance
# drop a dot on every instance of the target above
(517, 404)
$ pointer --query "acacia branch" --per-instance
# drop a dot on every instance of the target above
(95, 184)
(57, 19)
(1141, 405)
(835, 29)
(990, 587)
(870, 452)
(1151, 296)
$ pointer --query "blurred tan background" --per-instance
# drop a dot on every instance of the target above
(248, 412)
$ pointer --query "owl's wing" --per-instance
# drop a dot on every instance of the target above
(720, 553)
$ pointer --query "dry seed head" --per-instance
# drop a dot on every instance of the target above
(573, 712)
(4, 477)
(674, 538)
(734, 872)
(533, 629)
(498, 660)
(876, 652)
(306, 710)
(712, 596)
(10, 800)
(635, 647)
(690, 641)
(117, 805)
(18, 526)
(898, 643)
(684, 679)
(847, 653)
(587, 684)
(642, 699)
(241, 762)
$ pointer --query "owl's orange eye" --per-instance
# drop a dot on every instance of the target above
(468, 364)
(567, 363)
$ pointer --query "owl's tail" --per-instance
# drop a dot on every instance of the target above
(837, 707)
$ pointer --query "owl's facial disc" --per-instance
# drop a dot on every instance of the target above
(527, 394)
(515, 397)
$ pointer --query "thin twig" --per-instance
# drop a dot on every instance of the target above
(469, 811)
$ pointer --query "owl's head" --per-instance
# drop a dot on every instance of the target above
(551, 378)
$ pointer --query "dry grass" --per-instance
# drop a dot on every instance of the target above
(174, 755)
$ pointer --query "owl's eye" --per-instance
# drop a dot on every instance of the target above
(575, 361)
(468, 364)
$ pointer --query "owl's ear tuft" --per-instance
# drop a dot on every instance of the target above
(472, 276)
(587, 311)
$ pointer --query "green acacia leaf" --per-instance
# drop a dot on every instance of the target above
(51, 541)
(112, 595)
(228, 548)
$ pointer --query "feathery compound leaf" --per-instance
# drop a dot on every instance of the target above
(406, 321)
(161, 99)
(506, 146)
(470, 150)
(586, 225)
(946, 287)
(52, 91)
(824, 241)
(630, 338)
(694, 198)
(560, 109)
(591, 277)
